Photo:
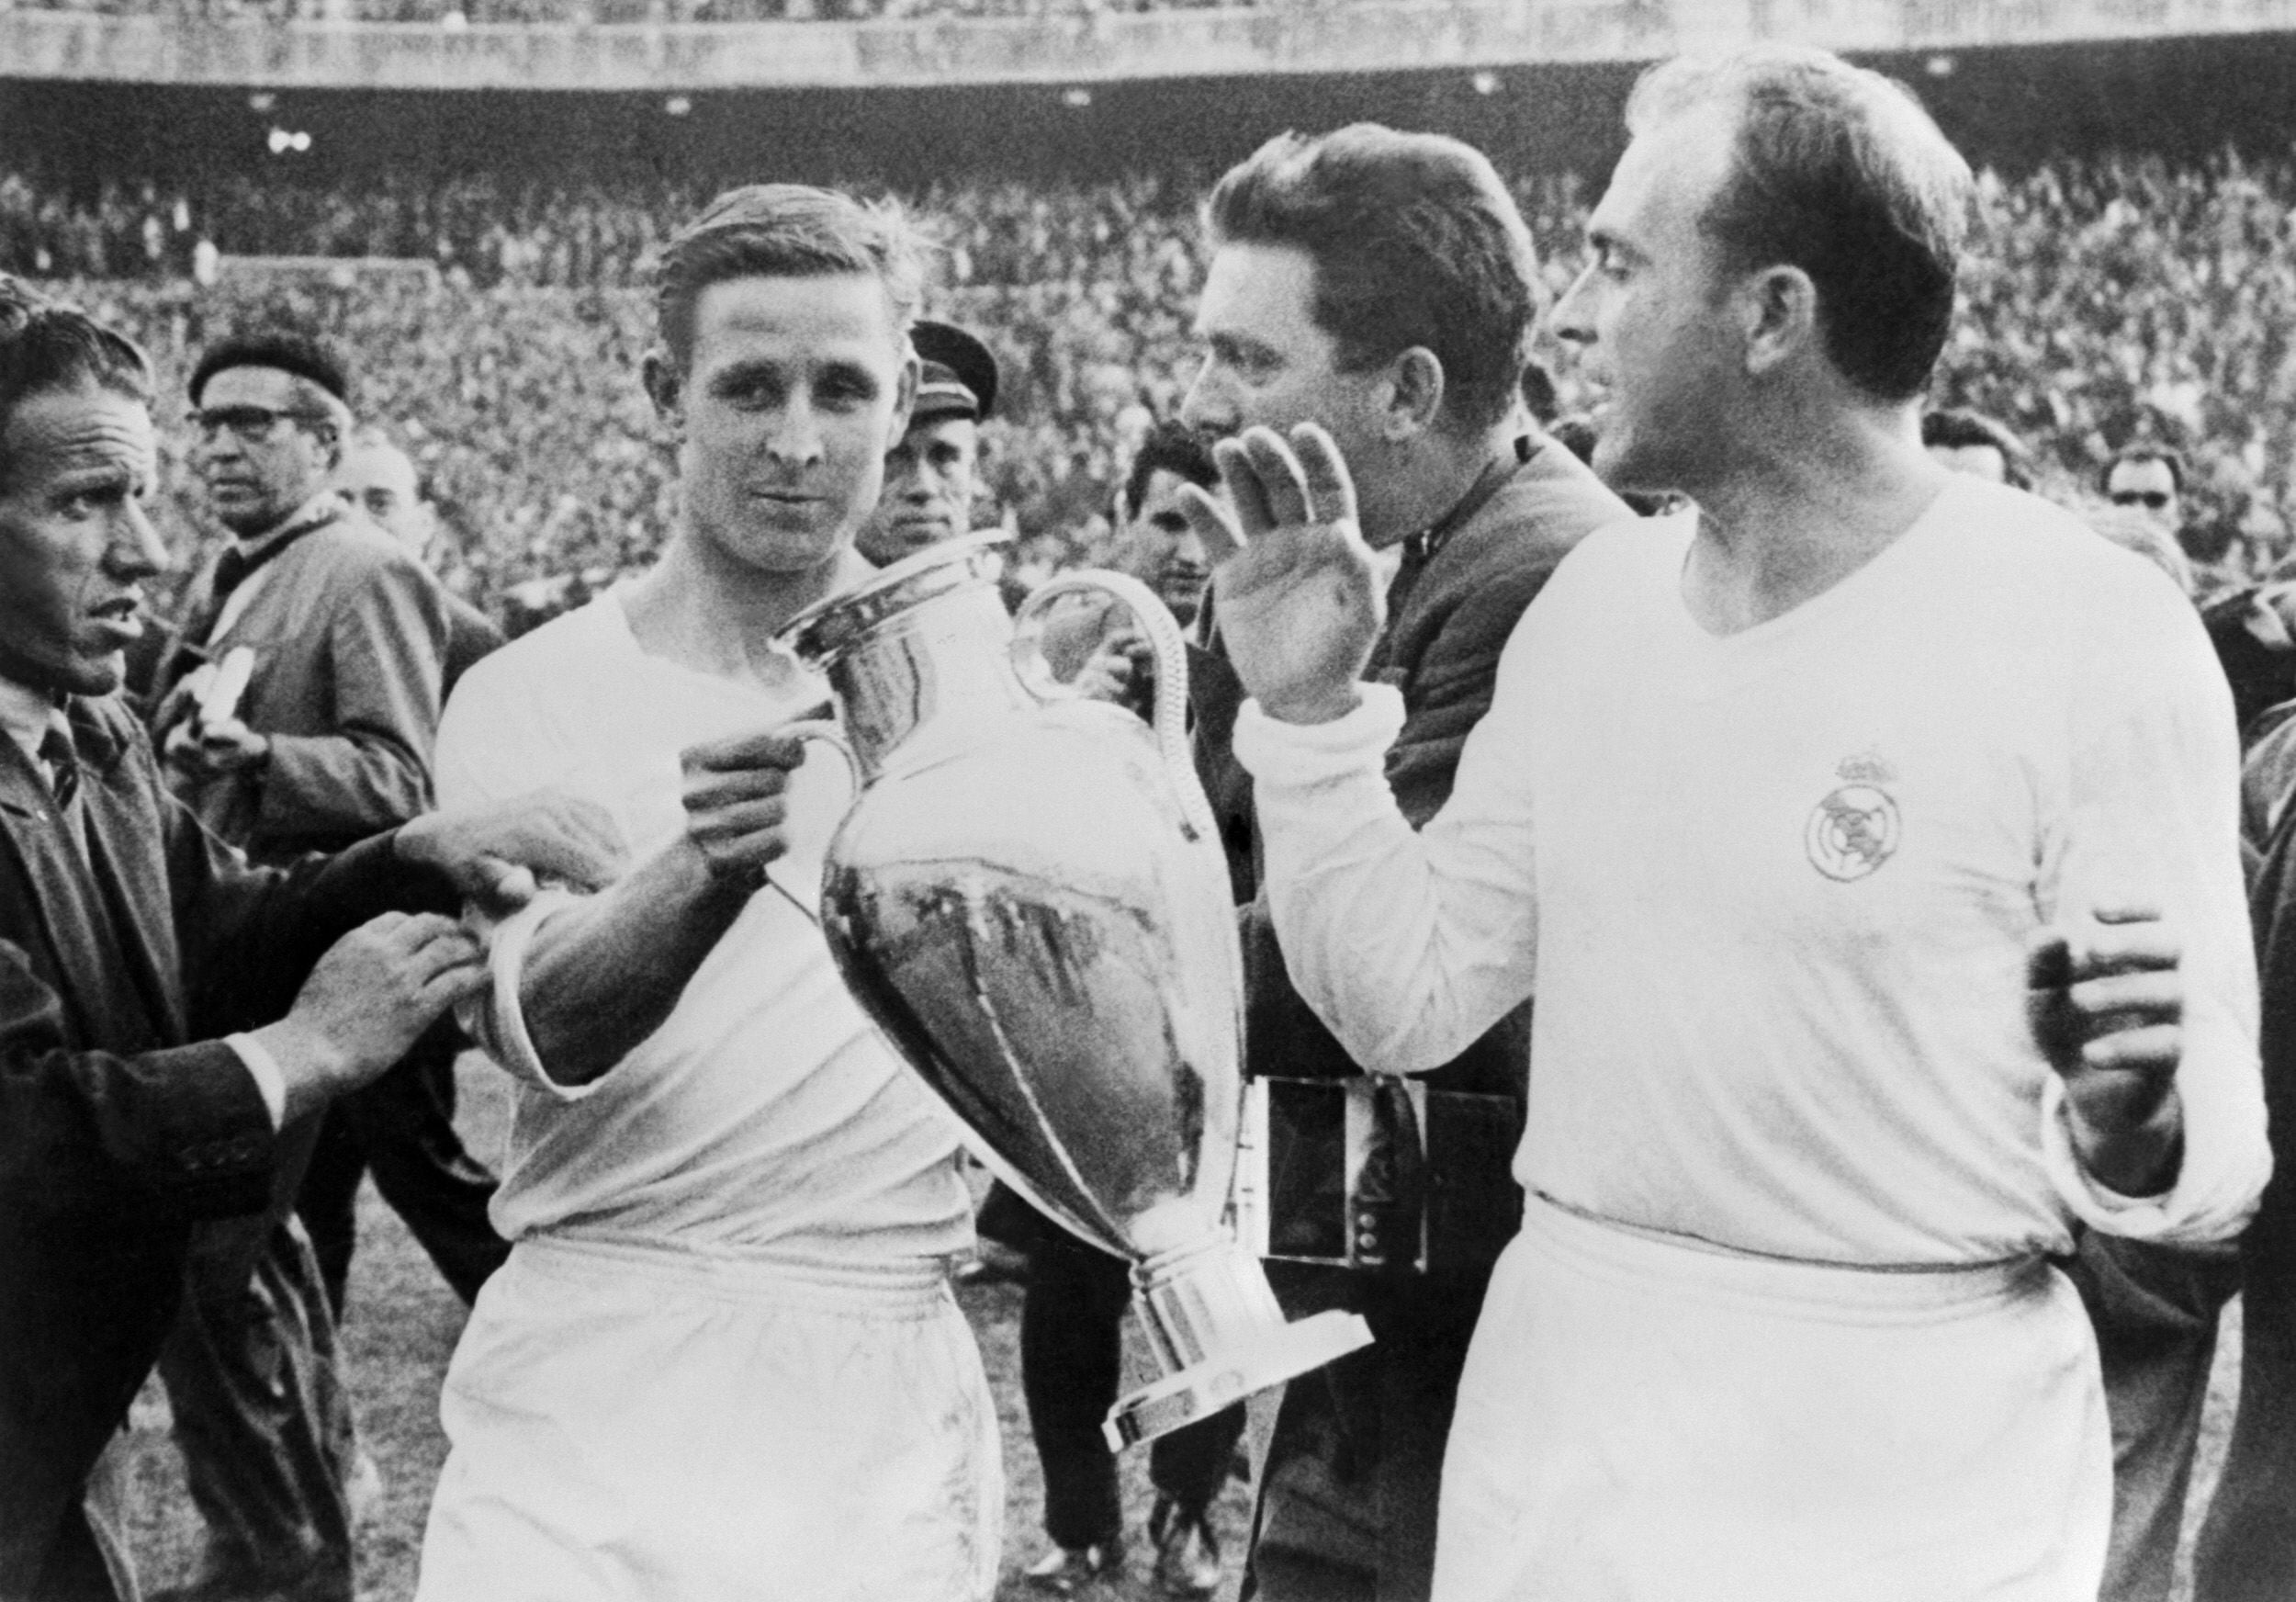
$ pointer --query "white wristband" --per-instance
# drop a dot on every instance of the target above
(501, 1021)
(264, 1068)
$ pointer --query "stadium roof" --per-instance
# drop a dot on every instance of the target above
(1083, 47)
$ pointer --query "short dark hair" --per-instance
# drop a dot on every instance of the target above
(1958, 428)
(1170, 447)
(2168, 456)
(284, 349)
(47, 343)
(1837, 171)
(1415, 242)
(785, 230)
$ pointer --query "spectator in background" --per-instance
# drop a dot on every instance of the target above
(342, 633)
(381, 480)
(1970, 442)
(2148, 479)
(930, 476)
(401, 1128)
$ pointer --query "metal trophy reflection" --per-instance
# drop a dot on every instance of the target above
(1027, 896)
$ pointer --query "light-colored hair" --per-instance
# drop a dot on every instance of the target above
(785, 230)
(1840, 172)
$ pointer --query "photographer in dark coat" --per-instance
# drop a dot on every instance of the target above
(1383, 285)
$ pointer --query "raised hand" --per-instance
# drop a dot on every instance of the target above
(1300, 599)
(494, 853)
(2106, 1001)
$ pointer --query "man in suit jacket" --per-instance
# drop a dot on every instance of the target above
(329, 742)
(125, 930)
(1383, 285)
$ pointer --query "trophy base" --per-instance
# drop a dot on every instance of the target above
(1179, 1400)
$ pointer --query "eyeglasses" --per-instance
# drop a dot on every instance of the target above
(2150, 499)
(253, 424)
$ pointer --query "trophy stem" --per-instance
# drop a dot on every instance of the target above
(1219, 1336)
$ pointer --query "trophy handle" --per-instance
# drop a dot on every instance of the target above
(1169, 720)
(821, 731)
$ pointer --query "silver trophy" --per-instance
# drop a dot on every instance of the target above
(1028, 897)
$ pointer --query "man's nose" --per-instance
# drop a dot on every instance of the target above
(1209, 407)
(795, 434)
(136, 550)
(1572, 318)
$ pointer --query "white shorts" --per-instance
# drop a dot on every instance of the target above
(634, 1422)
(1644, 1421)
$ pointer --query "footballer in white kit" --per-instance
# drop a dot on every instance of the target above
(723, 1359)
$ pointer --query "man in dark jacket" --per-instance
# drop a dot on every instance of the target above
(1383, 285)
(342, 635)
(126, 931)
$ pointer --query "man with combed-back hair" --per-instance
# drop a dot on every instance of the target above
(128, 1112)
(1382, 285)
(723, 1359)
(1881, 935)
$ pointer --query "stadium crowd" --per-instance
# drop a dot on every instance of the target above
(2111, 301)
(1853, 1205)
(458, 14)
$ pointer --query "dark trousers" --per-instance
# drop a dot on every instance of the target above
(2247, 1550)
(2155, 1312)
(262, 1415)
(1071, 1329)
(1347, 1508)
(401, 1128)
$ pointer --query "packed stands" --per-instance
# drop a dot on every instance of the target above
(2105, 301)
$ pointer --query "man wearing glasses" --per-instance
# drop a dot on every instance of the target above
(337, 635)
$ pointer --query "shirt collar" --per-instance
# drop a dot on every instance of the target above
(26, 714)
(321, 507)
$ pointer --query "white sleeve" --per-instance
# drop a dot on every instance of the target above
(1408, 945)
(496, 1019)
(264, 1068)
(2154, 818)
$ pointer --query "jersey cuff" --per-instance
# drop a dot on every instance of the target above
(264, 1068)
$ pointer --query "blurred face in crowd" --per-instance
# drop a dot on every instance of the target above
(265, 443)
(929, 489)
(380, 478)
(1651, 310)
(795, 388)
(76, 547)
(1268, 363)
(1159, 548)
(1979, 461)
(2149, 487)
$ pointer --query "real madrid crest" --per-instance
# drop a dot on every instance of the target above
(1855, 828)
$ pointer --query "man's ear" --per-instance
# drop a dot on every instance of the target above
(665, 388)
(905, 397)
(1416, 392)
(1778, 314)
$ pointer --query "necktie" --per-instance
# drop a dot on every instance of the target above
(64, 781)
(64, 767)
